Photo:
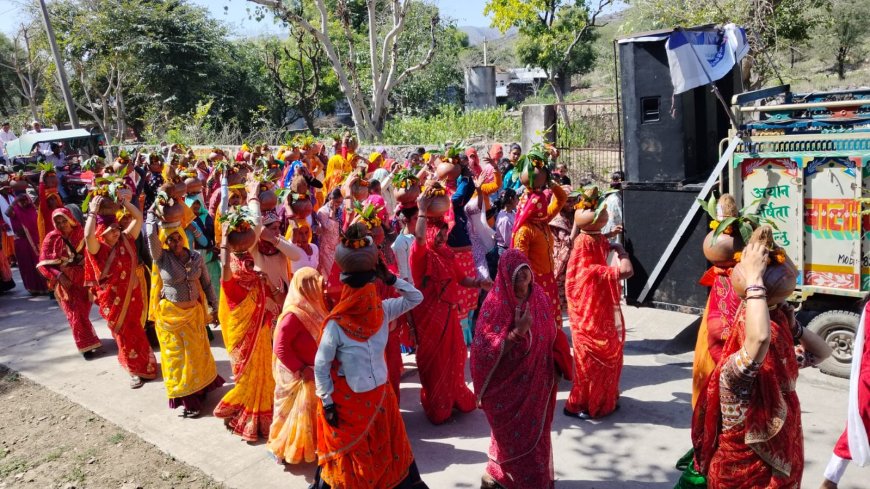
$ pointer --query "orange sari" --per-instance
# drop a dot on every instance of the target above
(246, 328)
(369, 448)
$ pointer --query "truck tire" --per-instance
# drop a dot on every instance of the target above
(838, 329)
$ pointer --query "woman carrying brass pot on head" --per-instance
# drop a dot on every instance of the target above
(110, 269)
(182, 315)
(246, 313)
(361, 436)
(597, 327)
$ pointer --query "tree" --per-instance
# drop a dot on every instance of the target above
(28, 66)
(303, 83)
(135, 62)
(383, 24)
(443, 82)
(769, 24)
(846, 27)
(555, 35)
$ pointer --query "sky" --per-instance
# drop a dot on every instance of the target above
(235, 14)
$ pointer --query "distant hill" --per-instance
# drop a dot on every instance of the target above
(476, 35)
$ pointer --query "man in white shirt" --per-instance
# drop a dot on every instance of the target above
(58, 161)
(613, 228)
(6, 135)
(43, 148)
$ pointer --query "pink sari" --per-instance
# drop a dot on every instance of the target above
(27, 246)
(516, 390)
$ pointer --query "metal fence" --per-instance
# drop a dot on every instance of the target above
(591, 142)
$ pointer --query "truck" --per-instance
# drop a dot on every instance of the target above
(803, 163)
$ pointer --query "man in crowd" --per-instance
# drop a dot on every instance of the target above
(6, 135)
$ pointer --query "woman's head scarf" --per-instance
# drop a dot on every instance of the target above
(534, 209)
(305, 301)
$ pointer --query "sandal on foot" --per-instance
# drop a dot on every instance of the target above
(136, 382)
(580, 415)
(487, 482)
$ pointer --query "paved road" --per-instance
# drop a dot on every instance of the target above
(634, 448)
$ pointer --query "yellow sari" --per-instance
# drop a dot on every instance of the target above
(185, 356)
(245, 325)
(293, 435)
(703, 364)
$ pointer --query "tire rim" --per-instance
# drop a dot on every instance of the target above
(840, 340)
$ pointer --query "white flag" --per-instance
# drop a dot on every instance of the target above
(697, 58)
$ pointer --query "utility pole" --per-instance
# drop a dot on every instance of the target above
(61, 71)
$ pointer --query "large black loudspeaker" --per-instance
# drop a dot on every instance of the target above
(652, 214)
(668, 138)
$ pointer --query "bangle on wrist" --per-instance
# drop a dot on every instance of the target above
(759, 296)
(799, 333)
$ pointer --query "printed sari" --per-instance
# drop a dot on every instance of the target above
(65, 255)
(246, 328)
(441, 348)
(516, 390)
(597, 327)
(765, 449)
(112, 272)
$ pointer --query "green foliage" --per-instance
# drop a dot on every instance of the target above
(547, 33)
(442, 82)
(845, 29)
(771, 24)
(453, 124)
(546, 48)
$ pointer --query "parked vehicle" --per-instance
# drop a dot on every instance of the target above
(805, 162)
(75, 142)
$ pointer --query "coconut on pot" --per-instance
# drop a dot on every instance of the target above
(406, 186)
(532, 168)
(590, 211)
(240, 234)
(434, 202)
(356, 251)
(730, 229)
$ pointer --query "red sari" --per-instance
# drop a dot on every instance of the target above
(112, 270)
(516, 390)
(65, 256)
(440, 345)
(597, 327)
(393, 352)
(766, 448)
(719, 315)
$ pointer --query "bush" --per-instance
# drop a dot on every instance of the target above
(451, 123)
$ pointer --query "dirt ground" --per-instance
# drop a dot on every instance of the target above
(50, 442)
